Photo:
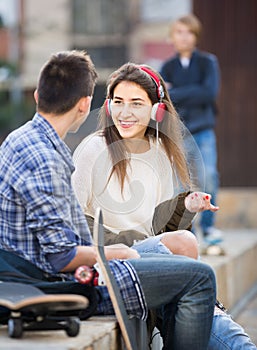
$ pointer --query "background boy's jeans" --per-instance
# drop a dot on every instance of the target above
(227, 334)
(187, 283)
(204, 170)
(206, 141)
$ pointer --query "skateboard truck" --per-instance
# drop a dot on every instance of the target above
(18, 324)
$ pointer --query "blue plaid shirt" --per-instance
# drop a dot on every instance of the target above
(39, 213)
(130, 289)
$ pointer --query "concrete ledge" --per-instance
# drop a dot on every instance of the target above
(236, 272)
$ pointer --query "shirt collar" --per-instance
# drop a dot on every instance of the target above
(60, 146)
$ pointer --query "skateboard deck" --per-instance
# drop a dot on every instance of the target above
(31, 309)
(133, 330)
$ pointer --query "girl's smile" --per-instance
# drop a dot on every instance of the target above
(127, 124)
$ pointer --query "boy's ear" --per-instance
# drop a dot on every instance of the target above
(36, 96)
(85, 104)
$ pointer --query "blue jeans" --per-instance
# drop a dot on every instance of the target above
(205, 171)
(228, 335)
(151, 244)
(225, 334)
(169, 280)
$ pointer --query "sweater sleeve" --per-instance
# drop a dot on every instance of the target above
(84, 159)
(126, 237)
(172, 215)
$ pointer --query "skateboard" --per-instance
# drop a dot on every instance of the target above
(133, 330)
(31, 309)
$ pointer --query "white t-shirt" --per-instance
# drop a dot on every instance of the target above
(149, 182)
(185, 61)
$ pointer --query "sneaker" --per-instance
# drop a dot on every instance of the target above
(212, 235)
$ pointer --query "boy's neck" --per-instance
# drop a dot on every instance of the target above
(185, 54)
(61, 124)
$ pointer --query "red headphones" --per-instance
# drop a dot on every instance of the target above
(158, 109)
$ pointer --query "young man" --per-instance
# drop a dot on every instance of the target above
(193, 80)
(42, 222)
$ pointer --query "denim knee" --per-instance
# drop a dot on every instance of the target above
(151, 245)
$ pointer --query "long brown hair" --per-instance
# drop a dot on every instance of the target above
(170, 133)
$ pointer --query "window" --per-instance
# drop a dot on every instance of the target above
(100, 16)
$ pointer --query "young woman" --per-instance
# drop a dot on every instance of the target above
(129, 172)
(134, 168)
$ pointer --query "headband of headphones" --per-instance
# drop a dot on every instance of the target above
(156, 80)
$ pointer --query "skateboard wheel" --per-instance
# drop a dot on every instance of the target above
(15, 328)
(84, 274)
(73, 325)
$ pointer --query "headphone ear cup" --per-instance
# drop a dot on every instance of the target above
(107, 107)
(158, 111)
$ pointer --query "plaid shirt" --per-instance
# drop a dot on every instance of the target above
(130, 288)
(39, 213)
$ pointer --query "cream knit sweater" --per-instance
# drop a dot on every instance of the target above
(150, 182)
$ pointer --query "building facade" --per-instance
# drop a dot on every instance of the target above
(116, 31)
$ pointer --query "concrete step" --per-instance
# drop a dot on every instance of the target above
(236, 274)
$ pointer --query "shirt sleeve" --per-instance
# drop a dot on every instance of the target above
(59, 260)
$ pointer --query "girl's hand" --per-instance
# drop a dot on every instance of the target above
(120, 251)
(196, 202)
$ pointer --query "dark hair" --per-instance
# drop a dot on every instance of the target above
(63, 80)
(170, 133)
